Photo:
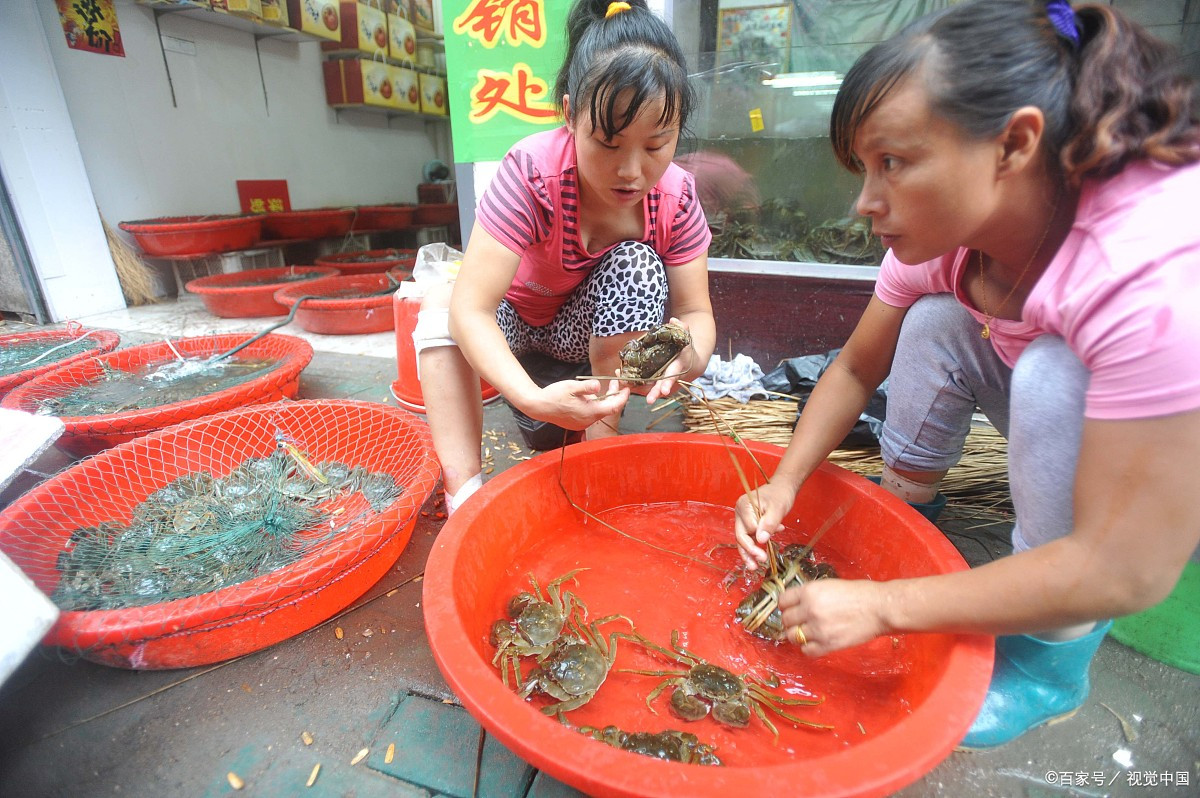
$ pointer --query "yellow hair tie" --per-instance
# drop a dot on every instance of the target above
(616, 8)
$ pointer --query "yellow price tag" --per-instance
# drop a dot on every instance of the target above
(756, 120)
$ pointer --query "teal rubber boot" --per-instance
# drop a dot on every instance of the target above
(931, 510)
(1033, 682)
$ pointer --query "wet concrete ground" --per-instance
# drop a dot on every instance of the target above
(69, 727)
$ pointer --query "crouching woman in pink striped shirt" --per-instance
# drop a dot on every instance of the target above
(587, 237)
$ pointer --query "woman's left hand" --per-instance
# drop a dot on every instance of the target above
(833, 614)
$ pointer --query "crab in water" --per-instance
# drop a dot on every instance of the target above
(669, 745)
(645, 358)
(705, 689)
(535, 622)
(575, 667)
(794, 565)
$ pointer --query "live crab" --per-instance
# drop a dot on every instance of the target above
(645, 358)
(704, 688)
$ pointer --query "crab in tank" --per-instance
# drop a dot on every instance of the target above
(645, 358)
(703, 689)
(669, 745)
(536, 620)
(575, 667)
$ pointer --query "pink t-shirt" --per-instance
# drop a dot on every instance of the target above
(531, 207)
(1123, 291)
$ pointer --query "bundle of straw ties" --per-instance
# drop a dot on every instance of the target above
(980, 480)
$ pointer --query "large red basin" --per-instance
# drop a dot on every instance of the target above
(898, 705)
(86, 435)
(251, 615)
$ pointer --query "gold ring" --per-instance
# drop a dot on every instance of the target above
(797, 636)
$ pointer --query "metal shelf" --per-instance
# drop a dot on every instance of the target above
(260, 30)
(391, 113)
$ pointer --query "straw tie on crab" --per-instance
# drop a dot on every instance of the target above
(774, 586)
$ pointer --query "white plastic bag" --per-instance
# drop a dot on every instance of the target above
(436, 264)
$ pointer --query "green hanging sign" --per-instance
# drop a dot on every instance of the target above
(502, 58)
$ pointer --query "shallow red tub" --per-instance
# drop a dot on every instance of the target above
(102, 341)
(384, 217)
(251, 293)
(315, 223)
(371, 261)
(341, 308)
(259, 612)
(898, 705)
(194, 235)
(436, 213)
(86, 435)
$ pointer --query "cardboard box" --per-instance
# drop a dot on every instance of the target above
(274, 12)
(402, 39)
(364, 29)
(358, 81)
(422, 13)
(433, 95)
(250, 9)
(406, 89)
(320, 18)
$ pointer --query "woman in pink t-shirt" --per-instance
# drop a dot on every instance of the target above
(1031, 171)
(587, 237)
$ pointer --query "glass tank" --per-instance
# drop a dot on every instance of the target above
(766, 77)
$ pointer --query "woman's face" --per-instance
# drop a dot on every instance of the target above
(618, 173)
(927, 187)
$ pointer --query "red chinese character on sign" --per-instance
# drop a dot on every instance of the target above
(513, 93)
(521, 21)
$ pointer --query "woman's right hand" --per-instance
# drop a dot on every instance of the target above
(758, 517)
(577, 404)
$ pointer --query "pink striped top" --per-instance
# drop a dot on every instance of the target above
(532, 207)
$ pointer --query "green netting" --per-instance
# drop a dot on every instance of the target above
(153, 385)
(17, 356)
(201, 533)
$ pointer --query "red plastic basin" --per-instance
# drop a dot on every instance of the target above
(315, 223)
(898, 705)
(437, 213)
(194, 235)
(371, 261)
(251, 293)
(103, 341)
(244, 617)
(341, 310)
(384, 217)
(84, 435)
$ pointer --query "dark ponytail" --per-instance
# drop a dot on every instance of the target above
(1115, 96)
(631, 51)
(1131, 99)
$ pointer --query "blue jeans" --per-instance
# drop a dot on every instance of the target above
(943, 369)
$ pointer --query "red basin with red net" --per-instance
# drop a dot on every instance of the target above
(384, 217)
(259, 612)
(372, 261)
(170, 236)
(898, 705)
(251, 294)
(84, 435)
(104, 340)
(341, 307)
(315, 223)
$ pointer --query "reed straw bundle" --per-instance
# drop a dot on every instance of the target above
(135, 277)
(980, 479)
